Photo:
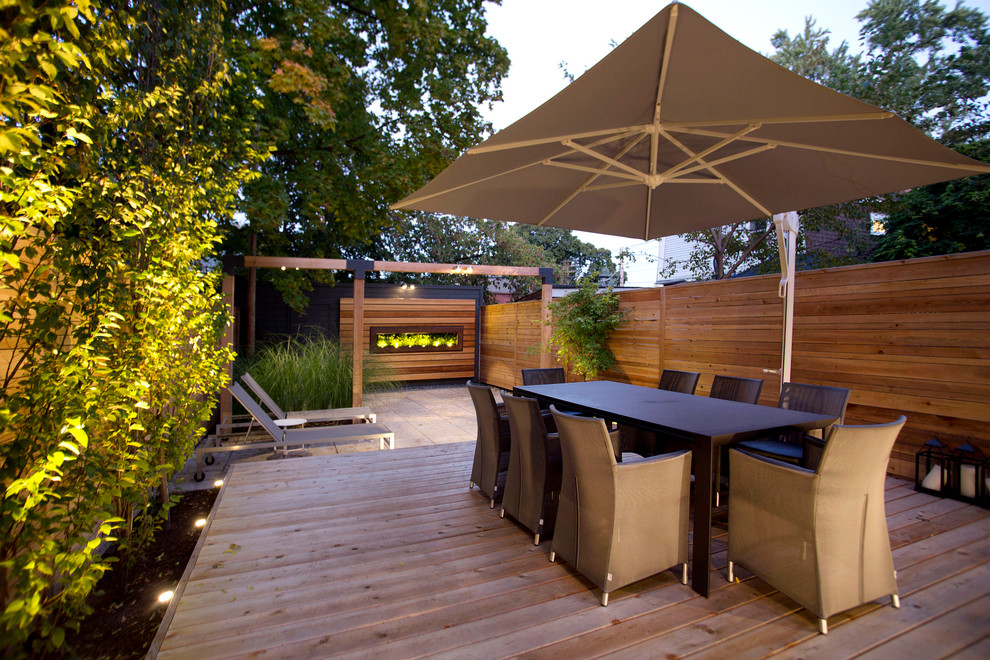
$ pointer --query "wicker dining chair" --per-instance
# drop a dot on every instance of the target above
(544, 376)
(678, 381)
(491, 451)
(532, 485)
(820, 399)
(731, 388)
(618, 523)
(818, 536)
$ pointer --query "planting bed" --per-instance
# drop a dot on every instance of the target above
(126, 611)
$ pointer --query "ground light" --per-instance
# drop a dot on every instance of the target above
(201, 522)
(165, 596)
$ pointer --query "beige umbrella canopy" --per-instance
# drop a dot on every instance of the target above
(682, 128)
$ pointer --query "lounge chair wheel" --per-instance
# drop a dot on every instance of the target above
(199, 476)
(209, 459)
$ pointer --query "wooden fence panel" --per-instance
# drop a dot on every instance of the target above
(416, 312)
(907, 337)
(731, 327)
(638, 343)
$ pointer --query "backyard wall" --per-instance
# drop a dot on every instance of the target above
(908, 337)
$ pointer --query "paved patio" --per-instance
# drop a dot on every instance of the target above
(419, 416)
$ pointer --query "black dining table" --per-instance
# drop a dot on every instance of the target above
(708, 423)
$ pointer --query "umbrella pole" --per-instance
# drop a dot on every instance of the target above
(787, 225)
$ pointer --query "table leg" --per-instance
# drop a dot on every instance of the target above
(701, 572)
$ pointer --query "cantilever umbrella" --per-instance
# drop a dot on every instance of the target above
(682, 128)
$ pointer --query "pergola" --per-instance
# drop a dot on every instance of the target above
(361, 268)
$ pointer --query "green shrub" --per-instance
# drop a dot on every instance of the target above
(311, 372)
(582, 322)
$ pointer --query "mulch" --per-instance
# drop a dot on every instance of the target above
(127, 613)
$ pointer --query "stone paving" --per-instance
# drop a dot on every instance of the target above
(418, 416)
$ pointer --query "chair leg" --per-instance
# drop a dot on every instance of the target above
(895, 600)
(536, 539)
(552, 555)
(491, 504)
(684, 573)
(823, 626)
(501, 512)
(470, 485)
(604, 599)
(731, 577)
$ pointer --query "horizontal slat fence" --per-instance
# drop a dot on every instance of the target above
(908, 337)
(416, 312)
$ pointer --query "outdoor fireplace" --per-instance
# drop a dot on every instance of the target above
(416, 338)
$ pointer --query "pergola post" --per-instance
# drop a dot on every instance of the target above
(250, 315)
(360, 269)
(227, 290)
(546, 295)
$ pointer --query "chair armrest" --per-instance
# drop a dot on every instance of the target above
(666, 475)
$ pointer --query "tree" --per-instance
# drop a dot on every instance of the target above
(432, 238)
(944, 218)
(571, 258)
(929, 65)
(359, 103)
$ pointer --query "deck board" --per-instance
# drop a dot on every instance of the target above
(389, 554)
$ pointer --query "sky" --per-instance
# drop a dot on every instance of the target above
(540, 34)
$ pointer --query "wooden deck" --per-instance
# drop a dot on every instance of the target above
(388, 554)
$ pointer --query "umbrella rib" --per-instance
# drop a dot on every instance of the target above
(595, 174)
(612, 138)
(668, 47)
(684, 126)
(613, 133)
(739, 191)
(698, 157)
(605, 159)
(720, 161)
(843, 152)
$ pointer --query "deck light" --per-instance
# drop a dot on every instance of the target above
(218, 483)
(200, 522)
(165, 596)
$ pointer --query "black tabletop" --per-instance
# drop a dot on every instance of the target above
(673, 412)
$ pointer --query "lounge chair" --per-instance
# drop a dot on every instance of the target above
(357, 414)
(286, 438)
